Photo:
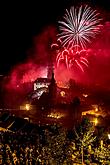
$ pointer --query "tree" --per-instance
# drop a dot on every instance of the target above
(75, 112)
(76, 102)
(44, 101)
(56, 145)
(102, 154)
(84, 138)
(55, 151)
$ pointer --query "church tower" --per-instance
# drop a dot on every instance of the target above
(52, 90)
(50, 66)
(50, 69)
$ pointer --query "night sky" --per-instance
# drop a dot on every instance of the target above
(20, 22)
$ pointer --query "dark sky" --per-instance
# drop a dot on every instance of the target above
(20, 22)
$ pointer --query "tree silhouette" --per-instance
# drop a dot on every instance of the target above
(84, 137)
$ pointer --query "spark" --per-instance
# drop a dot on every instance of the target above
(79, 65)
(71, 57)
(79, 26)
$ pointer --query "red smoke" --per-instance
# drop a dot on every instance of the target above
(35, 66)
(99, 60)
(25, 73)
(99, 68)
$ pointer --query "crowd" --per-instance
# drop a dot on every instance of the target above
(18, 148)
(52, 145)
(24, 148)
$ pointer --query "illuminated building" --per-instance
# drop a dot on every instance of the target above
(50, 86)
(95, 111)
(41, 83)
(40, 86)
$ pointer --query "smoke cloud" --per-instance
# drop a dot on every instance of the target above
(40, 55)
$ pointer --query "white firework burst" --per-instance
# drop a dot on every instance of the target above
(79, 26)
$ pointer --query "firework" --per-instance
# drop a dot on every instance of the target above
(70, 57)
(79, 26)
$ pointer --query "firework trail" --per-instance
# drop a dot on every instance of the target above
(70, 56)
(79, 26)
(77, 29)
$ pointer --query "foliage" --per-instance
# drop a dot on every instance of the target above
(84, 138)
(102, 154)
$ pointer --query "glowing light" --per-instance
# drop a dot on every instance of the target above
(27, 107)
(95, 121)
(63, 84)
(90, 148)
(55, 115)
(96, 109)
(85, 95)
(40, 85)
(62, 93)
(79, 26)
(108, 136)
(101, 143)
(26, 118)
(90, 112)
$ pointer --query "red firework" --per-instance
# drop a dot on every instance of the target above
(70, 56)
